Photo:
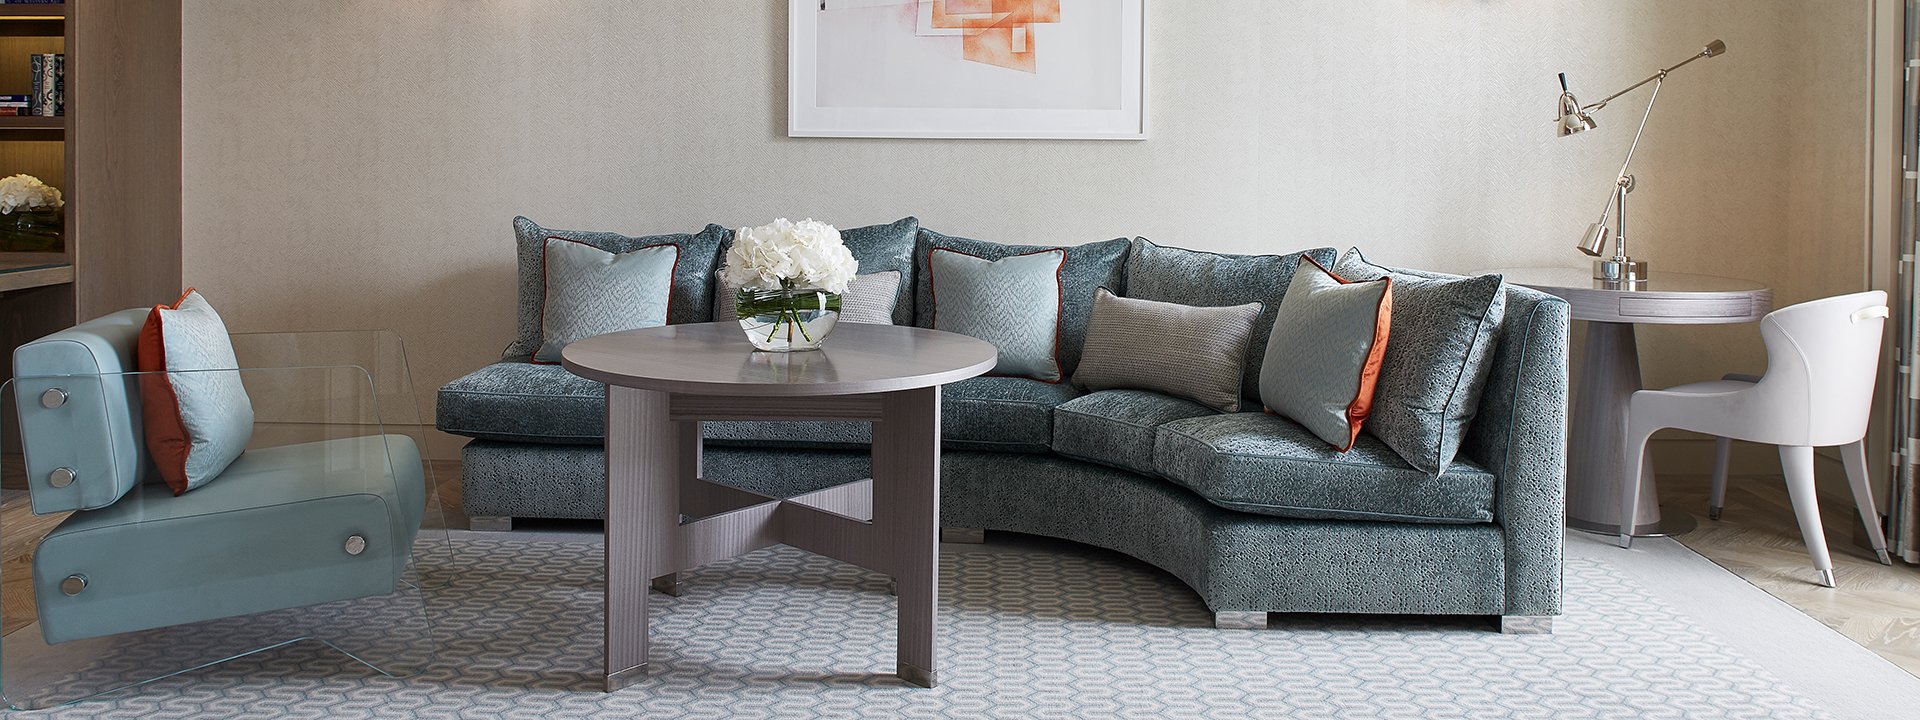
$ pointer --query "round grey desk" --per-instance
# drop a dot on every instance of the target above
(662, 382)
(1610, 372)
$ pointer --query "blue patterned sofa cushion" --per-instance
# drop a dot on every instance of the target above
(982, 413)
(1001, 413)
(1269, 465)
(524, 402)
(1117, 427)
(1089, 266)
(1204, 279)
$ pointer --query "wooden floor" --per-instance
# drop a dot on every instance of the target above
(1756, 538)
(1875, 605)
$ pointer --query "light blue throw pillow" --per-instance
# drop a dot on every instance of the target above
(196, 414)
(1013, 302)
(592, 292)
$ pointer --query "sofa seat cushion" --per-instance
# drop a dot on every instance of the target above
(1001, 413)
(524, 402)
(1117, 427)
(983, 413)
(1269, 465)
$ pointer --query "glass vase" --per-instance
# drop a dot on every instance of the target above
(26, 230)
(787, 319)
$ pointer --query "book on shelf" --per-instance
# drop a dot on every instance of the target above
(49, 97)
(31, 2)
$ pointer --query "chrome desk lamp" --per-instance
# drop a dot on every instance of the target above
(1574, 118)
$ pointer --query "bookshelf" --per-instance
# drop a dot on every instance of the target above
(114, 155)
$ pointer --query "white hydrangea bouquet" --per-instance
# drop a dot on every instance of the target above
(29, 215)
(790, 276)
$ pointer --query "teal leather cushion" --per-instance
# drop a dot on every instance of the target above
(1269, 465)
(1012, 302)
(1193, 277)
(692, 276)
(1117, 427)
(592, 292)
(1089, 266)
(97, 432)
(1324, 355)
(197, 415)
(269, 535)
(1439, 351)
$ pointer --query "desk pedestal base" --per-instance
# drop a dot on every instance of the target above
(1596, 442)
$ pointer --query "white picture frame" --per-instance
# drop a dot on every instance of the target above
(876, 74)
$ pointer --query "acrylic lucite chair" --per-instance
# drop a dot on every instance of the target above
(1822, 358)
(314, 535)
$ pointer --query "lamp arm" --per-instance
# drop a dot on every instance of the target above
(1615, 195)
(1658, 75)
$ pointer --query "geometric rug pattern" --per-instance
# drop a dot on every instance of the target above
(780, 633)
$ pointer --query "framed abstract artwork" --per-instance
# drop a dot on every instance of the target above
(1035, 69)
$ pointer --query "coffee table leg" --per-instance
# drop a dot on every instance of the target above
(906, 497)
(643, 504)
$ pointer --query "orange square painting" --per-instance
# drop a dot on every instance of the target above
(996, 32)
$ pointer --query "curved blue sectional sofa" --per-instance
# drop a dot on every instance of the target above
(1247, 508)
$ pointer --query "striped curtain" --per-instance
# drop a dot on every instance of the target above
(1904, 503)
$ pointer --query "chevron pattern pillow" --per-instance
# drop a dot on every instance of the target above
(590, 292)
(1324, 353)
(196, 423)
(1013, 302)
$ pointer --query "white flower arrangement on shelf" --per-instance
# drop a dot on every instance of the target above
(785, 254)
(26, 191)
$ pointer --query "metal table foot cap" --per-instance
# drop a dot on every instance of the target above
(1826, 578)
(917, 676)
(1885, 559)
(629, 676)
(667, 585)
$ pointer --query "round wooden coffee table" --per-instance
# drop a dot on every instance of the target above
(1610, 373)
(662, 382)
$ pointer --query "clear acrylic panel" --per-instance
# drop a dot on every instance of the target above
(319, 532)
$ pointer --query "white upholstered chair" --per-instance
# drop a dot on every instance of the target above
(1822, 358)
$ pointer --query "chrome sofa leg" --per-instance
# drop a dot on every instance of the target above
(966, 536)
(490, 523)
(1526, 624)
(1240, 619)
(668, 584)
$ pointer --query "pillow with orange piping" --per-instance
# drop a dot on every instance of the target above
(197, 416)
(1325, 352)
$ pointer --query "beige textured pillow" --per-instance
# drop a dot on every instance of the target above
(1192, 352)
(868, 299)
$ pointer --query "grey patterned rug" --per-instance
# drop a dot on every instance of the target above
(1029, 630)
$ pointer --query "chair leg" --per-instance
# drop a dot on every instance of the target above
(1855, 458)
(1634, 468)
(1797, 461)
(1722, 457)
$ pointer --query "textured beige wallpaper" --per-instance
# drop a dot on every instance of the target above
(354, 164)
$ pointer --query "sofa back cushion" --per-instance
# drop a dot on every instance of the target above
(1192, 277)
(692, 276)
(1086, 267)
(1440, 350)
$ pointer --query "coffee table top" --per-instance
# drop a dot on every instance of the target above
(715, 359)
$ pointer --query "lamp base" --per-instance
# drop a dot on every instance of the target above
(1623, 270)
